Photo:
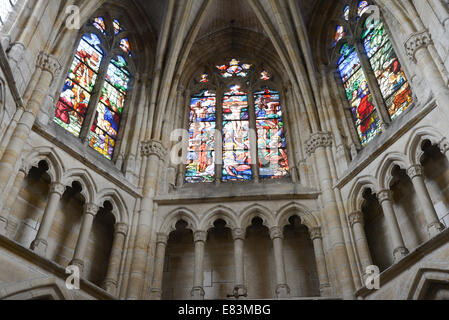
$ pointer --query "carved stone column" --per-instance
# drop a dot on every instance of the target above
(357, 224)
(152, 152)
(417, 49)
(156, 287)
(49, 66)
(385, 200)
(39, 245)
(238, 235)
(434, 226)
(110, 283)
(197, 292)
(282, 288)
(90, 212)
(317, 239)
(317, 145)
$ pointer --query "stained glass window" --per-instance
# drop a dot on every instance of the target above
(363, 5)
(201, 154)
(271, 143)
(75, 101)
(251, 124)
(388, 70)
(234, 68)
(236, 144)
(6, 7)
(72, 105)
(103, 135)
(358, 95)
(385, 66)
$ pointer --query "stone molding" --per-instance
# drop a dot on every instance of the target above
(153, 147)
(415, 171)
(417, 41)
(121, 228)
(384, 195)
(58, 188)
(319, 140)
(238, 234)
(315, 233)
(356, 217)
(200, 236)
(276, 233)
(91, 209)
(48, 63)
(162, 238)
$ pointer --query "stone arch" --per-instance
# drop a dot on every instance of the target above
(219, 212)
(356, 200)
(44, 288)
(55, 164)
(89, 187)
(168, 225)
(384, 175)
(256, 211)
(306, 216)
(121, 210)
(423, 280)
(419, 135)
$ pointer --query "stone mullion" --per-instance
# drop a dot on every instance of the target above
(90, 212)
(240, 290)
(156, 285)
(39, 245)
(357, 224)
(373, 84)
(282, 288)
(289, 137)
(94, 100)
(125, 126)
(110, 284)
(197, 292)
(348, 121)
(399, 248)
(219, 129)
(253, 137)
(184, 124)
(320, 259)
(434, 226)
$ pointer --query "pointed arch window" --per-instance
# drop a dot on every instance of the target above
(375, 83)
(6, 7)
(94, 93)
(247, 120)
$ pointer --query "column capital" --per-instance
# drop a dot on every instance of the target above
(417, 41)
(200, 236)
(315, 233)
(415, 171)
(162, 238)
(384, 195)
(48, 62)
(153, 147)
(276, 233)
(238, 234)
(121, 228)
(356, 217)
(91, 209)
(319, 140)
(57, 188)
